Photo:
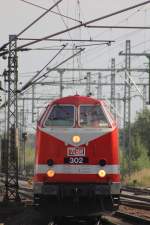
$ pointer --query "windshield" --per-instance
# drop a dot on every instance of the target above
(92, 116)
(61, 116)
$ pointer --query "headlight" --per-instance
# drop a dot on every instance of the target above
(101, 173)
(76, 139)
(50, 173)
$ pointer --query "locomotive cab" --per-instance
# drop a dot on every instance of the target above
(77, 165)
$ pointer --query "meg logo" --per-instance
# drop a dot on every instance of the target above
(76, 151)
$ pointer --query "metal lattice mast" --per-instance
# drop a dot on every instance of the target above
(22, 130)
(99, 86)
(112, 96)
(11, 181)
(88, 83)
(33, 102)
(144, 96)
(118, 109)
(61, 83)
(80, 36)
(127, 106)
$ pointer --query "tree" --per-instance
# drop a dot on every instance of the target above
(141, 127)
(140, 144)
(136, 146)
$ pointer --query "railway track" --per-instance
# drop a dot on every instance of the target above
(136, 190)
(130, 198)
(127, 199)
(29, 216)
(135, 202)
(120, 218)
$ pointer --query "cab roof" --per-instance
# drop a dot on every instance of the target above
(76, 100)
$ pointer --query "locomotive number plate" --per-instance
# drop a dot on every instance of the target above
(76, 160)
(75, 151)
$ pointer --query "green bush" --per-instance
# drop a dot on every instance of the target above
(140, 145)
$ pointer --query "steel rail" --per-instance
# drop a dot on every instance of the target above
(139, 198)
(131, 218)
(27, 193)
(121, 217)
(136, 190)
(136, 204)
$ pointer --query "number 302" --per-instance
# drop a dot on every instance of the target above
(75, 160)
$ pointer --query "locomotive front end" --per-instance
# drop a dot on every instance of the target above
(77, 165)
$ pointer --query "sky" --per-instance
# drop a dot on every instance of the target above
(17, 15)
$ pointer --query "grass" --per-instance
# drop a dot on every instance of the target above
(30, 154)
(139, 178)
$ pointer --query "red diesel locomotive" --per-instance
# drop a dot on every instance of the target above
(77, 165)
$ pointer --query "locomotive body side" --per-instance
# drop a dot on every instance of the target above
(77, 165)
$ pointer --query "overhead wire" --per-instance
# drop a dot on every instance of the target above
(64, 61)
(32, 23)
(59, 14)
(49, 48)
(124, 20)
(33, 81)
(120, 37)
(79, 35)
(65, 24)
(64, 39)
(84, 24)
(38, 73)
(77, 26)
(116, 40)
(37, 19)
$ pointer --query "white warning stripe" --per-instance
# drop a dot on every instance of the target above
(86, 134)
(77, 169)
